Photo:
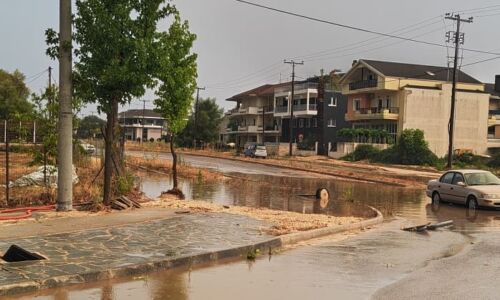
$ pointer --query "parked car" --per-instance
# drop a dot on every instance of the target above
(474, 188)
(256, 151)
(88, 148)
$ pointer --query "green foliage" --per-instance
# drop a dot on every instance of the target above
(364, 135)
(307, 144)
(494, 161)
(363, 152)
(125, 184)
(177, 72)
(116, 56)
(14, 104)
(90, 126)
(209, 117)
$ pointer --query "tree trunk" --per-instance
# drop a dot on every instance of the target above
(108, 153)
(174, 162)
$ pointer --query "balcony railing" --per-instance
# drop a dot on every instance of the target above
(378, 110)
(313, 106)
(297, 87)
(281, 109)
(300, 107)
(363, 84)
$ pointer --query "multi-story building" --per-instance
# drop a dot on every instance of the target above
(142, 124)
(262, 115)
(396, 96)
(253, 119)
(494, 114)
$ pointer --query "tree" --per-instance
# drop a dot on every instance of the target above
(90, 126)
(177, 72)
(115, 61)
(209, 118)
(14, 94)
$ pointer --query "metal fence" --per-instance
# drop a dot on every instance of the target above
(19, 132)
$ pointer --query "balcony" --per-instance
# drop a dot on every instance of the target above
(493, 142)
(374, 113)
(281, 109)
(250, 129)
(363, 84)
(297, 87)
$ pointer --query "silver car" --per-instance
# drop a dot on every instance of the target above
(474, 188)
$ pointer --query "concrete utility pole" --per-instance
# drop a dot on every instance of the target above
(293, 63)
(198, 89)
(143, 118)
(65, 123)
(458, 39)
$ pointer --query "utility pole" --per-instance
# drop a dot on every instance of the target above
(458, 39)
(49, 100)
(293, 63)
(143, 119)
(65, 122)
(198, 89)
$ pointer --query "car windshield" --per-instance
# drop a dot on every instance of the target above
(261, 148)
(483, 178)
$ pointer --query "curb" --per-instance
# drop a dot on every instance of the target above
(30, 286)
(299, 169)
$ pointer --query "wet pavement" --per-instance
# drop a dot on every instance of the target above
(99, 250)
(384, 263)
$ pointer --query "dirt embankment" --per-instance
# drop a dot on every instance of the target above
(281, 222)
(164, 166)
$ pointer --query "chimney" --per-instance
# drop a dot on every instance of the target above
(354, 62)
(497, 83)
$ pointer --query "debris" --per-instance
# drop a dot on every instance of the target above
(124, 202)
(37, 177)
(428, 226)
(16, 253)
(179, 212)
(225, 206)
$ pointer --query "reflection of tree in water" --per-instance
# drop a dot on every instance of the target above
(170, 284)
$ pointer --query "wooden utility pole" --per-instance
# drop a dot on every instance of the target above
(65, 122)
(458, 39)
(293, 63)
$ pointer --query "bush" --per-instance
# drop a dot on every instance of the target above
(362, 152)
(495, 161)
(410, 149)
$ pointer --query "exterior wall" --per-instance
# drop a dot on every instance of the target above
(497, 132)
(344, 148)
(429, 110)
(365, 102)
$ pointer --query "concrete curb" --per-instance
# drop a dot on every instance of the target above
(191, 260)
(299, 169)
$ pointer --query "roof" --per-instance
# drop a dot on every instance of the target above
(468, 171)
(266, 89)
(133, 113)
(490, 89)
(404, 70)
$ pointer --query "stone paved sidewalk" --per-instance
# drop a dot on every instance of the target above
(103, 253)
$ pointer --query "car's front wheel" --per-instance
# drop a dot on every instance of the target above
(472, 203)
(436, 199)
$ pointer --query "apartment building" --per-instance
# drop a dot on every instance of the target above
(396, 96)
(145, 125)
(494, 114)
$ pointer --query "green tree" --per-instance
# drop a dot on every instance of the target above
(89, 127)
(116, 59)
(206, 126)
(14, 103)
(177, 72)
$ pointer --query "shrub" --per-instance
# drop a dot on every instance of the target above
(363, 152)
(495, 161)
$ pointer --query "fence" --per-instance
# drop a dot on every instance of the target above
(19, 132)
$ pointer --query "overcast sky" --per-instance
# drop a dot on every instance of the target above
(241, 47)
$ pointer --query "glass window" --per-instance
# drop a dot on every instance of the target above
(483, 178)
(458, 178)
(332, 123)
(356, 104)
(301, 123)
(308, 123)
(315, 122)
(333, 101)
(447, 178)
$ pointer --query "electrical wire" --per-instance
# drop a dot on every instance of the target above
(356, 28)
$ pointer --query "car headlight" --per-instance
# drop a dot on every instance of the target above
(491, 196)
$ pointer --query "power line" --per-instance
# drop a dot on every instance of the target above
(356, 28)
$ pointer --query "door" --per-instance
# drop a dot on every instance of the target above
(445, 186)
(459, 193)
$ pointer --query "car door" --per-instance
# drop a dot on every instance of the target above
(445, 186)
(459, 193)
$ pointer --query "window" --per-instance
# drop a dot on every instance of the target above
(301, 123)
(356, 104)
(294, 123)
(315, 122)
(332, 123)
(333, 101)
(447, 178)
(458, 178)
(308, 123)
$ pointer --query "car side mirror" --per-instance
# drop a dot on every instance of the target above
(460, 183)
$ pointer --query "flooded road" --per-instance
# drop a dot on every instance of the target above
(385, 262)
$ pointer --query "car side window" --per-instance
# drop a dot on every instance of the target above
(447, 178)
(458, 178)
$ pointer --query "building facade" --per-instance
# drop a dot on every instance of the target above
(142, 125)
(494, 115)
(397, 96)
